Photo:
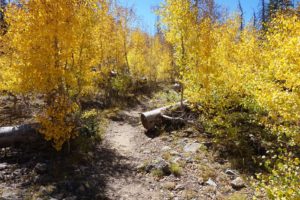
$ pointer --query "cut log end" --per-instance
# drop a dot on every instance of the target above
(150, 120)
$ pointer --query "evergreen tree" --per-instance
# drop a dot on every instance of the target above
(241, 13)
(2, 22)
(278, 5)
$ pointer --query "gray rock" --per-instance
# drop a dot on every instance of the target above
(43, 190)
(238, 183)
(211, 183)
(141, 167)
(41, 168)
(90, 154)
(3, 166)
(163, 166)
(192, 147)
(159, 164)
(189, 130)
(17, 172)
(182, 142)
(190, 160)
(179, 187)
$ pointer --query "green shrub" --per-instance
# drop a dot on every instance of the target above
(175, 169)
(283, 181)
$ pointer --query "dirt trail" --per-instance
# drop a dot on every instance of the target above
(126, 165)
(126, 138)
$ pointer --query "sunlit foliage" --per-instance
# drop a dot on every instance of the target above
(236, 78)
(64, 50)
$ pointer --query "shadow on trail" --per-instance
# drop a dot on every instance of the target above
(43, 172)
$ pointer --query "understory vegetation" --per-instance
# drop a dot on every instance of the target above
(243, 80)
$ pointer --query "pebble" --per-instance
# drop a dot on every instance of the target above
(41, 168)
(179, 187)
(238, 183)
(3, 166)
(211, 183)
(189, 130)
(159, 164)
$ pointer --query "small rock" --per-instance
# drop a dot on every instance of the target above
(87, 185)
(192, 147)
(169, 185)
(41, 168)
(17, 172)
(166, 148)
(190, 160)
(179, 187)
(164, 166)
(43, 190)
(189, 131)
(211, 183)
(90, 154)
(3, 166)
(159, 164)
(182, 142)
(238, 183)
(141, 167)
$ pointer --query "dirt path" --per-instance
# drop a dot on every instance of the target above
(126, 137)
(126, 165)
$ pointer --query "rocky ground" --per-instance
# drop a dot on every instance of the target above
(127, 164)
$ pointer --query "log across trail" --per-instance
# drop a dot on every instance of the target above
(153, 118)
(27, 133)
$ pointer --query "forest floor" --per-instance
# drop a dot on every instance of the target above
(126, 164)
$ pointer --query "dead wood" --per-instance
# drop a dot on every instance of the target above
(12, 135)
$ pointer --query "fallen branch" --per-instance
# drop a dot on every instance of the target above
(12, 135)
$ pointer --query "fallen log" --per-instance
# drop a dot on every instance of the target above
(12, 135)
(154, 117)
